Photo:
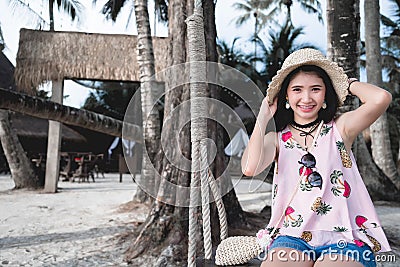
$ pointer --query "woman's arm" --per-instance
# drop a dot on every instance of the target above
(261, 149)
(374, 101)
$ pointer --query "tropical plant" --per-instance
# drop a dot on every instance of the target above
(380, 140)
(71, 7)
(111, 103)
(20, 166)
(266, 11)
(343, 40)
(282, 44)
(112, 8)
(391, 45)
(309, 6)
(262, 11)
(235, 58)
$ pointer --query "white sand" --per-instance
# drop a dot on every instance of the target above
(78, 225)
(70, 228)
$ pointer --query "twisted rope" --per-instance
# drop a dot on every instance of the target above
(223, 225)
(194, 199)
(205, 200)
(198, 124)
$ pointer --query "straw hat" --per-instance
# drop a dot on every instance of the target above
(308, 56)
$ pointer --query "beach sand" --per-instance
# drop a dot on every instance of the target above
(79, 225)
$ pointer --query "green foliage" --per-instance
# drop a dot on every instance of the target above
(265, 12)
(390, 47)
(112, 8)
(262, 12)
(235, 58)
(110, 102)
(282, 43)
(71, 7)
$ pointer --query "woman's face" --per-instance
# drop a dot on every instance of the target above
(306, 94)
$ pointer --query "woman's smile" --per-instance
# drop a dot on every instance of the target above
(306, 108)
(306, 94)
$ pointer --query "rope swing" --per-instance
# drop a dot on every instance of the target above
(201, 173)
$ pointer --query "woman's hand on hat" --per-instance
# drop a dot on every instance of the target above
(274, 106)
(268, 110)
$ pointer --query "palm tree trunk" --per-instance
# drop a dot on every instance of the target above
(166, 221)
(288, 4)
(235, 215)
(44, 109)
(344, 48)
(51, 14)
(380, 141)
(151, 119)
(20, 166)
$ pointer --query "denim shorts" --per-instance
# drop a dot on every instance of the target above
(338, 251)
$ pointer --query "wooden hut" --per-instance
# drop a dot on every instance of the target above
(53, 56)
(33, 132)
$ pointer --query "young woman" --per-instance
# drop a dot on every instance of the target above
(322, 214)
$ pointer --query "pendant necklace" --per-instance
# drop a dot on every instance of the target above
(300, 128)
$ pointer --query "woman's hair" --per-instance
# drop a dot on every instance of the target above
(284, 116)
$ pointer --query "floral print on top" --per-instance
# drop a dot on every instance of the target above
(324, 210)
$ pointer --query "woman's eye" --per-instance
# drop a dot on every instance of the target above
(316, 89)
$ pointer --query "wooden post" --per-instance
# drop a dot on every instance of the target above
(54, 143)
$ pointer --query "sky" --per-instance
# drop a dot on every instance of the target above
(95, 22)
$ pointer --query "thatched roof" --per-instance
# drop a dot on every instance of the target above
(6, 73)
(44, 56)
(31, 127)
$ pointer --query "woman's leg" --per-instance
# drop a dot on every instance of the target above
(278, 257)
(335, 260)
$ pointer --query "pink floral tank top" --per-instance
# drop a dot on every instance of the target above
(331, 204)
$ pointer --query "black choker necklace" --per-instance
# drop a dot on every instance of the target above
(306, 133)
(304, 126)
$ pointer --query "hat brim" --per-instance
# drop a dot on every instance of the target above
(336, 74)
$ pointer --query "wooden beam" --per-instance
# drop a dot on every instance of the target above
(45, 109)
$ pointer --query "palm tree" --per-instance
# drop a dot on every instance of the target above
(309, 6)
(71, 7)
(235, 58)
(20, 167)
(343, 48)
(283, 43)
(112, 8)
(380, 140)
(391, 46)
(151, 118)
(266, 11)
(257, 9)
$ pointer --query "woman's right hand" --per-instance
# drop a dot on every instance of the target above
(261, 149)
(268, 110)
